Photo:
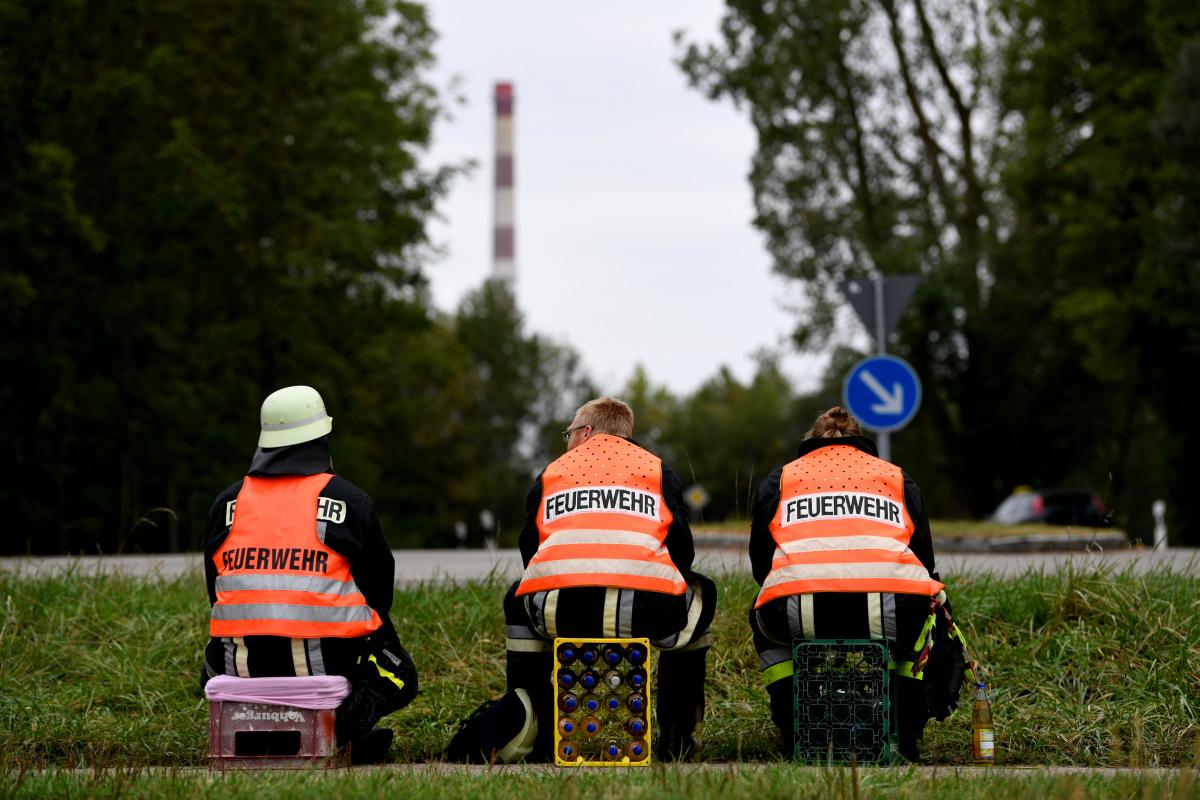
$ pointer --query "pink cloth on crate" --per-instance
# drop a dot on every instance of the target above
(315, 692)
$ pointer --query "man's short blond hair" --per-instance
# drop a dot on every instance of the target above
(606, 415)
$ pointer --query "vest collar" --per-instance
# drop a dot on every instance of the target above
(858, 442)
(306, 458)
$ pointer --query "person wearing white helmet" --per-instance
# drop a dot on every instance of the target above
(300, 575)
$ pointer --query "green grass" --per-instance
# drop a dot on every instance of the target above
(1095, 668)
(764, 783)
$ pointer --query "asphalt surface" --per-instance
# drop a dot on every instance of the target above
(418, 566)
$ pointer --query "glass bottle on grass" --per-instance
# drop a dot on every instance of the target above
(983, 734)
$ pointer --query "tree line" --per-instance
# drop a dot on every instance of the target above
(203, 204)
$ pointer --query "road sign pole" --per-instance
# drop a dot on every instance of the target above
(884, 439)
(879, 304)
(880, 330)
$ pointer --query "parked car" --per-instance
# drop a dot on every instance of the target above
(1052, 507)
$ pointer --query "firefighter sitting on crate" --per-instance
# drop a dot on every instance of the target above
(608, 553)
(840, 544)
(300, 576)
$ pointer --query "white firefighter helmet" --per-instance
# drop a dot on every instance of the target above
(292, 415)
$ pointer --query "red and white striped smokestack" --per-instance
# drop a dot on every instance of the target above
(504, 265)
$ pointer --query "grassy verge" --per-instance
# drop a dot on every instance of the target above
(766, 783)
(1096, 668)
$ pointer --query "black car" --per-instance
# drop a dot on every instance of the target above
(1052, 507)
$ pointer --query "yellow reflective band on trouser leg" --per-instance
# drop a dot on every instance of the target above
(777, 672)
(527, 645)
(391, 676)
(905, 668)
(520, 745)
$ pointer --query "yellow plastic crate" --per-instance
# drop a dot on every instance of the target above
(602, 702)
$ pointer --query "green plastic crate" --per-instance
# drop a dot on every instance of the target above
(843, 696)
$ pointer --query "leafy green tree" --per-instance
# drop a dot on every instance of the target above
(1102, 183)
(207, 202)
(879, 149)
(1007, 152)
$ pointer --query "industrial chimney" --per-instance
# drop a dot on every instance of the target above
(504, 265)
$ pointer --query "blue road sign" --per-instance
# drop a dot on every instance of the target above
(883, 392)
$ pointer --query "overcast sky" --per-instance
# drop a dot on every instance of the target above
(633, 234)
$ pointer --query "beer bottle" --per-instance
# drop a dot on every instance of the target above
(588, 655)
(612, 680)
(590, 726)
(612, 750)
(636, 727)
(636, 654)
(612, 654)
(637, 749)
(566, 678)
(589, 679)
(637, 678)
(568, 751)
(981, 724)
(566, 727)
(636, 703)
(566, 654)
(591, 703)
(568, 702)
(612, 702)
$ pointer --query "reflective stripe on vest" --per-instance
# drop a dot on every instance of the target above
(602, 521)
(842, 526)
(276, 576)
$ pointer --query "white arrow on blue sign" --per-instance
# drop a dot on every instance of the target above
(882, 392)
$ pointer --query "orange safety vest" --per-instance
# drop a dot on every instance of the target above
(602, 522)
(275, 575)
(842, 526)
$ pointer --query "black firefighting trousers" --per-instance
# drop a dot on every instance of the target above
(676, 625)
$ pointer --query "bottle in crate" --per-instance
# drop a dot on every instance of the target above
(590, 726)
(611, 654)
(568, 703)
(566, 654)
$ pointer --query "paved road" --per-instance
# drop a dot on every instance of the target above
(415, 566)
